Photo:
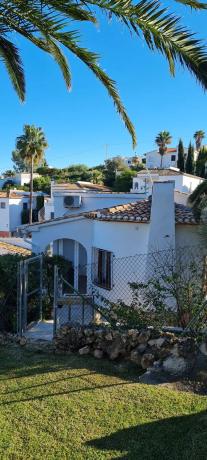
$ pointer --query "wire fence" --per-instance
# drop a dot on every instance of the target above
(165, 288)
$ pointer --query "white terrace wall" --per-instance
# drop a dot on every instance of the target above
(91, 201)
(79, 229)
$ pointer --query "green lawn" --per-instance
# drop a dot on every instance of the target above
(68, 407)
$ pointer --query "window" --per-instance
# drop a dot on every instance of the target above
(25, 206)
(102, 268)
(173, 157)
(136, 185)
(3, 205)
(52, 215)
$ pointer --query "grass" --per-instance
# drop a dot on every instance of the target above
(70, 407)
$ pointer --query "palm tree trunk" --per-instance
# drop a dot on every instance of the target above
(161, 161)
(31, 189)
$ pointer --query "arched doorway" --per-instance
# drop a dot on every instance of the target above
(76, 254)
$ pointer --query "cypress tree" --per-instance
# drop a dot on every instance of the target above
(201, 161)
(180, 162)
(189, 166)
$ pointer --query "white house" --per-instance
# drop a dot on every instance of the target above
(68, 198)
(110, 247)
(18, 179)
(129, 161)
(153, 158)
(184, 183)
(12, 203)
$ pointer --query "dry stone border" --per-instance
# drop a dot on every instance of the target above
(174, 354)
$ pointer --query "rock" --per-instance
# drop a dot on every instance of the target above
(108, 336)
(133, 334)
(135, 357)
(98, 354)
(144, 336)
(116, 349)
(187, 347)
(175, 365)
(141, 348)
(84, 350)
(23, 341)
(203, 348)
(147, 360)
(157, 342)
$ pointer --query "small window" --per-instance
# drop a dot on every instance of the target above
(52, 215)
(102, 268)
(25, 206)
(3, 205)
(136, 185)
(173, 157)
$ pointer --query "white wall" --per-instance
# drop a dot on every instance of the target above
(153, 159)
(162, 221)
(183, 183)
(188, 235)
(80, 230)
(4, 216)
(92, 201)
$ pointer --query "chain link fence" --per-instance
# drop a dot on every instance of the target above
(165, 288)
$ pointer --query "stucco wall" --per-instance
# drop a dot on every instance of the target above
(4, 216)
(188, 235)
(92, 201)
(79, 230)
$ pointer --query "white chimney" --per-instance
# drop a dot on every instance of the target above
(162, 219)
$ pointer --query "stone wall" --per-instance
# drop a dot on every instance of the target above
(173, 353)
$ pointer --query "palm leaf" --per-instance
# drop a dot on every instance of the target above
(10, 56)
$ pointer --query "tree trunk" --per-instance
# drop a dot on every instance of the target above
(31, 190)
(161, 161)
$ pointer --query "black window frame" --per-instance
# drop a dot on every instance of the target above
(102, 273)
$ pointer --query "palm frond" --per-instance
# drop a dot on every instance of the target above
(194, 4)
(69, 40)
(11, 58)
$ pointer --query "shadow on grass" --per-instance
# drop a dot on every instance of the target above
(175, 438)
(17, 363)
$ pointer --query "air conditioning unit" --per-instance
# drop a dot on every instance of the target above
(72, 201)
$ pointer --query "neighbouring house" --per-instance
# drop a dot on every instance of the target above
(184, 183)
(153, 158)
(12, 204)
(68, 198)
(17, 179)
(129, 161)
(110, 247)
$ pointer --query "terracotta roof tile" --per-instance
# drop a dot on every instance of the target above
(140, 212)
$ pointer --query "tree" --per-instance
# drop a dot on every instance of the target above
(19, 163)
(181, 162)
(111, 168)
(42, 184)
(47, 24)
(123, 182)
(189, 166)
(162, 140)
(199, 136)
(198, 199)
(31, 147)
(201, 162)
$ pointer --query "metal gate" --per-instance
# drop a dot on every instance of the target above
(69, 304)
(30, 286)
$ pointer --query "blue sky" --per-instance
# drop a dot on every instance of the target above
(79, 124)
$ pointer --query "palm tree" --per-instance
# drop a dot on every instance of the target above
(47, 24)
(162, 140)
(31, 147)
(199, 136)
